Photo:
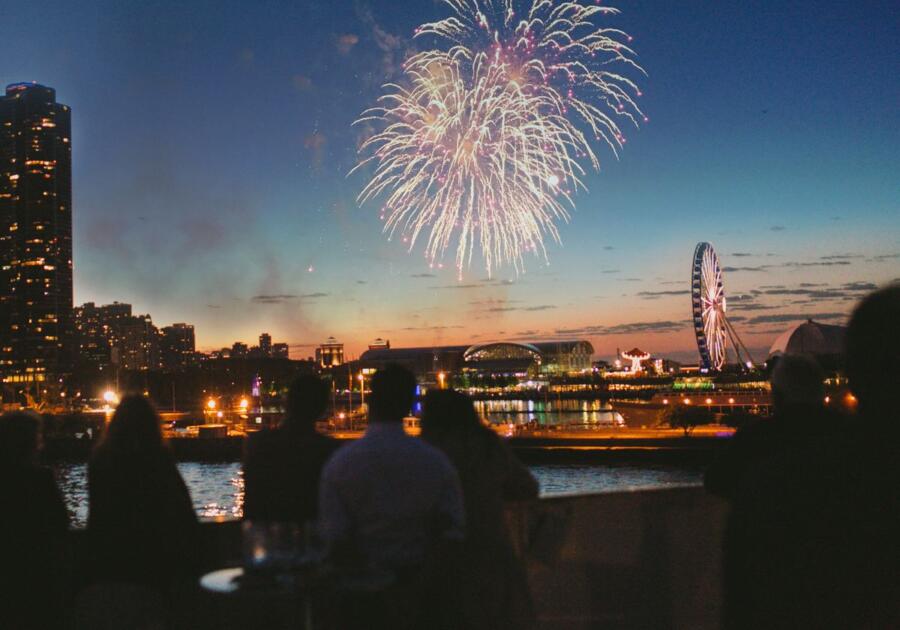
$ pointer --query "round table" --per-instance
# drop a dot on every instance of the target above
(223, 581)
(238, 605)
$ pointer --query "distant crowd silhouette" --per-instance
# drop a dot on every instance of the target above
(813, 538)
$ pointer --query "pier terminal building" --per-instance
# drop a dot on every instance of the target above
(503, 358)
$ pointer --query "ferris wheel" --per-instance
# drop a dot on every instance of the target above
(711, 325)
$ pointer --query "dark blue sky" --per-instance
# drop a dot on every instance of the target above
(212, 143)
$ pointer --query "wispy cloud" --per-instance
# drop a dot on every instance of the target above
(652, 295)
(846, 291)
(626, 329)
(781, 318)
(275, 298)
(823, 263)
(472, 285)
(345, 43)
(481, 284)
(280, 298)
(859, 286)
(393, 48)
(506, 309)
(751, 269)
(749, 306)
(790, 265)
(432, 328)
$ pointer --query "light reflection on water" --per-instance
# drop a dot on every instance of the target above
(549, 412)
(217, 489)
(559, 479)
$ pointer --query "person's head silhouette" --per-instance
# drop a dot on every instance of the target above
(306, 402)
(134, 426)
(447, 411)
(872, 350)
(20, 438)
(393, 392)
(797, 381)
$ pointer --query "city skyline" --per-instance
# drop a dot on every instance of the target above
(210, 177)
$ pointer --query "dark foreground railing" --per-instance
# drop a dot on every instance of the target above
(647, 559)
(643, 559)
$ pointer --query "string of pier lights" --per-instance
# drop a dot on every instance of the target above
(687, 401)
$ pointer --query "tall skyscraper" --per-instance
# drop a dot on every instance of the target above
(36, 327)
(265, 344)
(178, 346)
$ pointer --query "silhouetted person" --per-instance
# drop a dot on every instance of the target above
(142, 527)
(390, 499)
(493, 584)
(757, 472)
(849, 493)
(33, 530)
(282, 466)
(766, 446)
(812, 540)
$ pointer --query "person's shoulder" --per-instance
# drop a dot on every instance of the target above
(261, 441)
(492, 443)
(343, 455)
(431, 456)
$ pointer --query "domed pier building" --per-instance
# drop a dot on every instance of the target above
(502, 358)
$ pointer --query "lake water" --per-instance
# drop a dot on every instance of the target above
(218, 489)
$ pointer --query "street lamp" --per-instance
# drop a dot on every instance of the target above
(110, 398)
(362, 389)
(211, 404)
(441, 378)
(244, 404)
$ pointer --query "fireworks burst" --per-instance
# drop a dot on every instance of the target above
(483, 142)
